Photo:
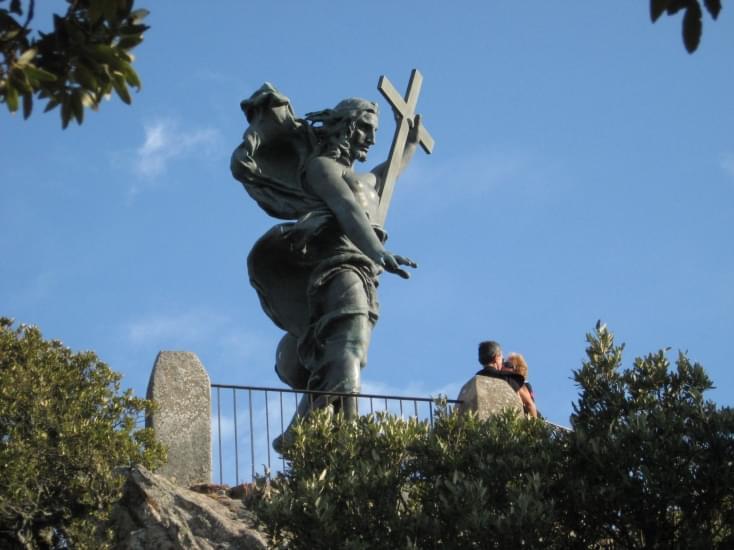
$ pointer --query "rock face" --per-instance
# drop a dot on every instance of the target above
(180, 386)
(488, 396)
(155, 513)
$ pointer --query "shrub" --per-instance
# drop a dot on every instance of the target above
(64, 429)
(650, 460)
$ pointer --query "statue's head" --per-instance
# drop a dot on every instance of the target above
(348, 130)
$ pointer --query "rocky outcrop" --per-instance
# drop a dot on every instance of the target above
(156, 513)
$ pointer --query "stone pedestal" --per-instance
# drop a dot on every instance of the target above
(180, 386)
(488, 396)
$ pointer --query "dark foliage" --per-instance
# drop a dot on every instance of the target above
(692, 17)
(74, 65)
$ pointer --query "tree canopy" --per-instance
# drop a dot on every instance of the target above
(65, 428)
(81, 60)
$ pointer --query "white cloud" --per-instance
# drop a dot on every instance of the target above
(165, 141)
(247, 346)
(223, 340)
(168, 330)
(438, 184)
(37, 289)
(727, 164)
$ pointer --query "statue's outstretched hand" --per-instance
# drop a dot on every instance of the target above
(392, 263)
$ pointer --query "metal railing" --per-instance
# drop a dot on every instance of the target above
(245, 419)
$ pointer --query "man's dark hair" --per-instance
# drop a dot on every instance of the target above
(488, 351)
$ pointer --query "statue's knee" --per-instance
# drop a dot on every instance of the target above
(287, 365)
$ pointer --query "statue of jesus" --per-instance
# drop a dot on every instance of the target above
(316, 276)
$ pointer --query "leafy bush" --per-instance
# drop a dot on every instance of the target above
(648, 464)
(64, 429)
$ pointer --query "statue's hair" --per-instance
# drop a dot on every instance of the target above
(334, 127)
(518, 364)
(488, 350)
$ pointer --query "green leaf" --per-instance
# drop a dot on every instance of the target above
(27, 105)
(52, 104)
(9, 34)
(130, 41)
(20, 81)
(137, 16)
(713, 7)
(11, 97)
(65, 112)
(26, 58)
(85, 77)
(107, 55)
(77, 107)
(692, 27)
(131, 77)
(657, 7)
(118, 82)
(36, 73)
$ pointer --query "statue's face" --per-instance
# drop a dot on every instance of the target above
(363, 136)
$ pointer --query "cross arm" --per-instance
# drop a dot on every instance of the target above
(405, 110)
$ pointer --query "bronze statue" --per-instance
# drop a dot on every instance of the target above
(316, 275)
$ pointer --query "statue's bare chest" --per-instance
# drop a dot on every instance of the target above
(363, 187)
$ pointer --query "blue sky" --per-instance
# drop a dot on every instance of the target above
(583, 170)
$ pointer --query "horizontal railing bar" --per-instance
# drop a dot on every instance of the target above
(335, 393)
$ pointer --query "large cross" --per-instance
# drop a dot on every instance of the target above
(404, 109)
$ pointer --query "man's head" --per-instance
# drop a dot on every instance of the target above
(490, 354)
(348, 130)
